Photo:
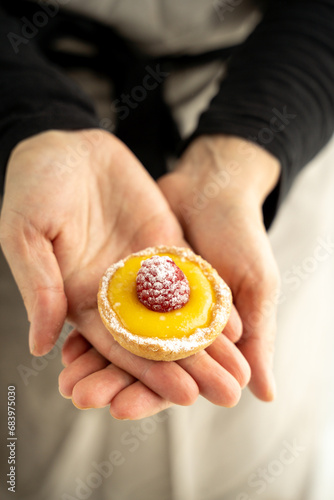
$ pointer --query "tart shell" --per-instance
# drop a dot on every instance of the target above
(173, 348)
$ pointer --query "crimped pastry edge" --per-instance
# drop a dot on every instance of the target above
(175, 348)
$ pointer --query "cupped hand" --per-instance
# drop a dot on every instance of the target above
(74, 203)
(217, 191)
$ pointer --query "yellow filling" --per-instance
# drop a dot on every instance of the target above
(140, 320)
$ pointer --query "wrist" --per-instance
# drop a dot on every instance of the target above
(246, 168)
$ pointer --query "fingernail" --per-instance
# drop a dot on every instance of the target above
(63, 395)
(82, 407)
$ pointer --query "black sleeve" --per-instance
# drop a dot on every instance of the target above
(279, 89)
(34, 95)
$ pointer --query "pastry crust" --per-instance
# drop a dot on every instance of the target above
(173, 348)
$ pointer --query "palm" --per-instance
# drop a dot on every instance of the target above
(120, 211)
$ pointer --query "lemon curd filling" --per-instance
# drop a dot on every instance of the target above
(140, 320)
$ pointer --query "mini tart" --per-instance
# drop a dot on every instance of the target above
(182, 332)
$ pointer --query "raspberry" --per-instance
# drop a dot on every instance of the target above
(161, 285)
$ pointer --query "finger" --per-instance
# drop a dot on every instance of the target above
(254, 284)
(233, 328)
(90, 362)
(36, 272)
(165, 378)
(74, 346)
(228, 355)
(257, 306)
(98, 389)
(111, 385)
(215, 383)
(137, 401)
(257, 345)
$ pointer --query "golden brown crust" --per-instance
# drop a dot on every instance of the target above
(174, 348)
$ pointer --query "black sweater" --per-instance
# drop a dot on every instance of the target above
(278, 91)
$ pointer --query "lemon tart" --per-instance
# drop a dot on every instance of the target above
(164, 303)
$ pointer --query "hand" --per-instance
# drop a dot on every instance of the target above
(74, 203)
(93, 382)
(217, 191)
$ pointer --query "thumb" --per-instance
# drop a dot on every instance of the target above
(37, 274)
